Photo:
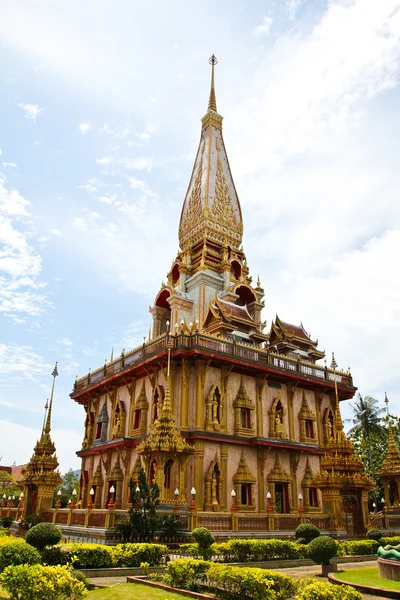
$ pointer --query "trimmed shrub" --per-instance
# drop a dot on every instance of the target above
(82, 578)
(7, 539)
(203, 537)
(6, 522)
(359, 547)
(186, 574)
(90, 556)
(232, 583)
(326, 591)
(54, 556)
(392, 541)
(301, 541)
(31, 582)
(322, 549)
(132, 555)
(42, 535)
(307, 531)
(18, 554)
(259, 550)
(189, 549)
(374, 534)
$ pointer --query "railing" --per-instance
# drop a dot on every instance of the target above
(214, 344)
(215, 522)
(252, 523)
(289, 523)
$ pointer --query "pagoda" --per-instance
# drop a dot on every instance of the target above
(41, 476)
(212, 404)
(389, 472)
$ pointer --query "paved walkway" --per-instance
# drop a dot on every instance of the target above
(297, 572)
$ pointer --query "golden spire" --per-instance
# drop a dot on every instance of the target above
(167, 406)
(48, 422)
(45, 414)
(212, 102)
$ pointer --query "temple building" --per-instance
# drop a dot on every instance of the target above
(238, 424)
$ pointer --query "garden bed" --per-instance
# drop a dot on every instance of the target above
(367, 581)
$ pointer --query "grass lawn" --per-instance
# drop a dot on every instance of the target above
(132, 591)
(368, 576)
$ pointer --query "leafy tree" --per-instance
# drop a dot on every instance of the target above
(143, 513)
(8, 485)
(69, 483)
(370, 435)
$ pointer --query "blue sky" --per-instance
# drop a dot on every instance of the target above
(100, 105)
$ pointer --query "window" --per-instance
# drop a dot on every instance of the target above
(245, 418)
(309, 429)
(98, 430)
(313, 496)
(136, 420)
(246, 499)
(156, 399)
(282, 498)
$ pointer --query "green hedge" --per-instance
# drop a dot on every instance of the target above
(326, 591)
(91, 556)
(392, 541)
(259, 550)
(359, 547)
(18, 553)
(31, 582)
(187, 574)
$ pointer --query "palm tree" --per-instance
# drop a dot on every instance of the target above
(367, 422)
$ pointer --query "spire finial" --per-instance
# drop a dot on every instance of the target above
(48, 422)
(212, 102)
(167, 406)
(387, 404)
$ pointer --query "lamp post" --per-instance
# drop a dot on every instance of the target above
(193, 502)
(374, 507)
(269, 507)
(73, 502)
(300, 496)
(10, 503)
(176, 503)
(21, 500)
(111, 502)
(233, 505)
(4, 503)
(58, 504)
(383, 505)
(91, 494)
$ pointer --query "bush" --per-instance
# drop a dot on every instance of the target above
(301, 541)
(30, 521)
(82, 578)
(42, 535)
(90, 556)
(54, 556)
(6, 522)
(186, 574)
(189, 549)
(307, 531)
(258, 550)
(359, 547)
(203, 537)
(392, 541)
(18, 553)
(132, 555)
(232, 583)
(322, 549)
(326, 591)
(7, 539)
(27, 582)
(374, 534)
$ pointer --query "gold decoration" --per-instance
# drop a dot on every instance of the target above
(222, 208)
(194, 210)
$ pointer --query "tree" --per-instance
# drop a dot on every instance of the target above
(69, 483)
(8, 486)
(369, 435)
(143, 513)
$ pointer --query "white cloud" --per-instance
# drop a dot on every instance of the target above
(20, 263)
(19, 440)
(84, 127)
(22, 362)
(292, 7)
(264, 28)
(9, 164)
(31, 110)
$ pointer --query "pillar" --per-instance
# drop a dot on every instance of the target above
(199, 473)
(226, 494)
(184, 408)
(319, 396)
(294, 463)
(291, 390)
(261, 455)
(200, 399)
(260, 383)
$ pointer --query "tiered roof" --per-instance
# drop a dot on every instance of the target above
(289, 338)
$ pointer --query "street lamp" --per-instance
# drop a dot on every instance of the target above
(73, 503)
(233, 496)
(176, 503)
(91, 493)
(300, 496)
(111, 502)
(193, 503)
(374, 507)
(269, 507)
(58, 499)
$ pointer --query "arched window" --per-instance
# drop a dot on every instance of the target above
(236, 269)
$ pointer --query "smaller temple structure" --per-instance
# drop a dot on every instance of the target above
(342, 474)
(389, 472)
(41, 477)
